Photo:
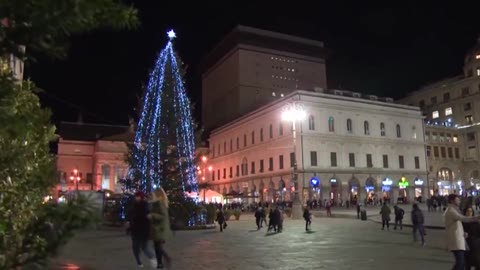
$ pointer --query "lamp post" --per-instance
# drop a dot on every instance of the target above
(203, 172)
(293, 113)
(75, 177)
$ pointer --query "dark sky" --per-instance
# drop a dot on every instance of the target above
(383, 51)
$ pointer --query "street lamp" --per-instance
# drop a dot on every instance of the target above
(75, 177)
(293, 113)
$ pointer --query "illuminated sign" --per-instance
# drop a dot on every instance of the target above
(419, 182)
(333, 180)
(403, 183)
(387, 182)
(369, 188)
(314, 181)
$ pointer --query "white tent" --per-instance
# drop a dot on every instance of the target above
(210, 196)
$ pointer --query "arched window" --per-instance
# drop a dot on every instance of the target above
(349, 125)
(399, 134)
(331, 124)
(382, 129)
(311, 123)
(366, 128)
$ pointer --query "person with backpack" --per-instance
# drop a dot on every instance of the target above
(398, 217)
(308, 219)
(417, 223)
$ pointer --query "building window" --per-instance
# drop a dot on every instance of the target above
(333, 159)
(467, 106)
(448, 111)
(244, 167)
(421, 104)
(224, 173)
(351, 159)
(270, 131)
(457, 153)
(280, 129)
(429, 151)
(470, 136)
(469, 119)
(253, 137)
(238, 143)
(231, 145)
(280, 162)
(224, 147)
(311, 123)
(253, 167)
(417, 162)
(455, 138)
(237, 171)
(450, 152)
(465, 91)
(261, 135)
(435, 151)
(270, 164)
(313, 158)
(369, 161)
(218, 174)
(435, 114)
(218, 152)
(261, 166)
(349, 125)
(366, 128)
(331, 124)
(213, 150)
(443, 152)
(382, 129)
(401, 163)
(213, 176)
(385, 161)
(399, 134)
(244, 140)
(231, 172)
(446, 97)
(105, 176)
(292, 160)
(433, 100)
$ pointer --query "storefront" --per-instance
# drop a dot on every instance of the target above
(334, 190)
(444, 188)
(354, 189)
(387, 189)
(419, 189)
(370, 189)
(316, 188)
(403, 185)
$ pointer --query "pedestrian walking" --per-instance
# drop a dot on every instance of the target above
(472, 231)
(398, 217)
(418, 223)
(358, 210)
(328, 206)
(455, 235)
(160, 226)
(221, 220)
(139, 227)
(385, 212)
(279, 219)
(272, 220)
(308, 219)
(258, 217)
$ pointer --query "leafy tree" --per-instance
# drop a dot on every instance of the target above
(30, 228)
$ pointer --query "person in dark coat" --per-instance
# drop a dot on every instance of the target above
(358, 210)
(417, 223)
(140, 229)
(160, 226)
(272, 221)
(258, 217)
(308, 219)
(277, 214)
(473, 241)
(398, 217)
(221, 219)
(385, 212)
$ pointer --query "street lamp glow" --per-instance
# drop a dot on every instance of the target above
(293, 112)
(204, 158)
(210, 168)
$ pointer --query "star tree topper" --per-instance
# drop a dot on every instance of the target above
(171, 34)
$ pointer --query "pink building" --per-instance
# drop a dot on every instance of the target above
(92, 156)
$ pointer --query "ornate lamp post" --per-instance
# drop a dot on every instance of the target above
(293, 113)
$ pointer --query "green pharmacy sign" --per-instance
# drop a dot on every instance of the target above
(403, 183)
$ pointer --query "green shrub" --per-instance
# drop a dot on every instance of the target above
(211, 213)
(228, 214)
(237, 214)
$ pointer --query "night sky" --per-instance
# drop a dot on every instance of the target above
(382, 51)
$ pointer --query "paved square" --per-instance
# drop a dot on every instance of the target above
(335, 243)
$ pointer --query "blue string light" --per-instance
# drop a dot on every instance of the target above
(165, 97)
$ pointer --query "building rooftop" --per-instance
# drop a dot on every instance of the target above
(266, 39)
(79, 131)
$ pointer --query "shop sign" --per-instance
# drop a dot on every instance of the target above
(387, 182)
(403, 183)
(369, 188)
(314, 181)
(419, 182)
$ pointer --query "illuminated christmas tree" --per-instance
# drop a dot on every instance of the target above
(163, 153)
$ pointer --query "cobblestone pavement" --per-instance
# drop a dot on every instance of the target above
(334, 243)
